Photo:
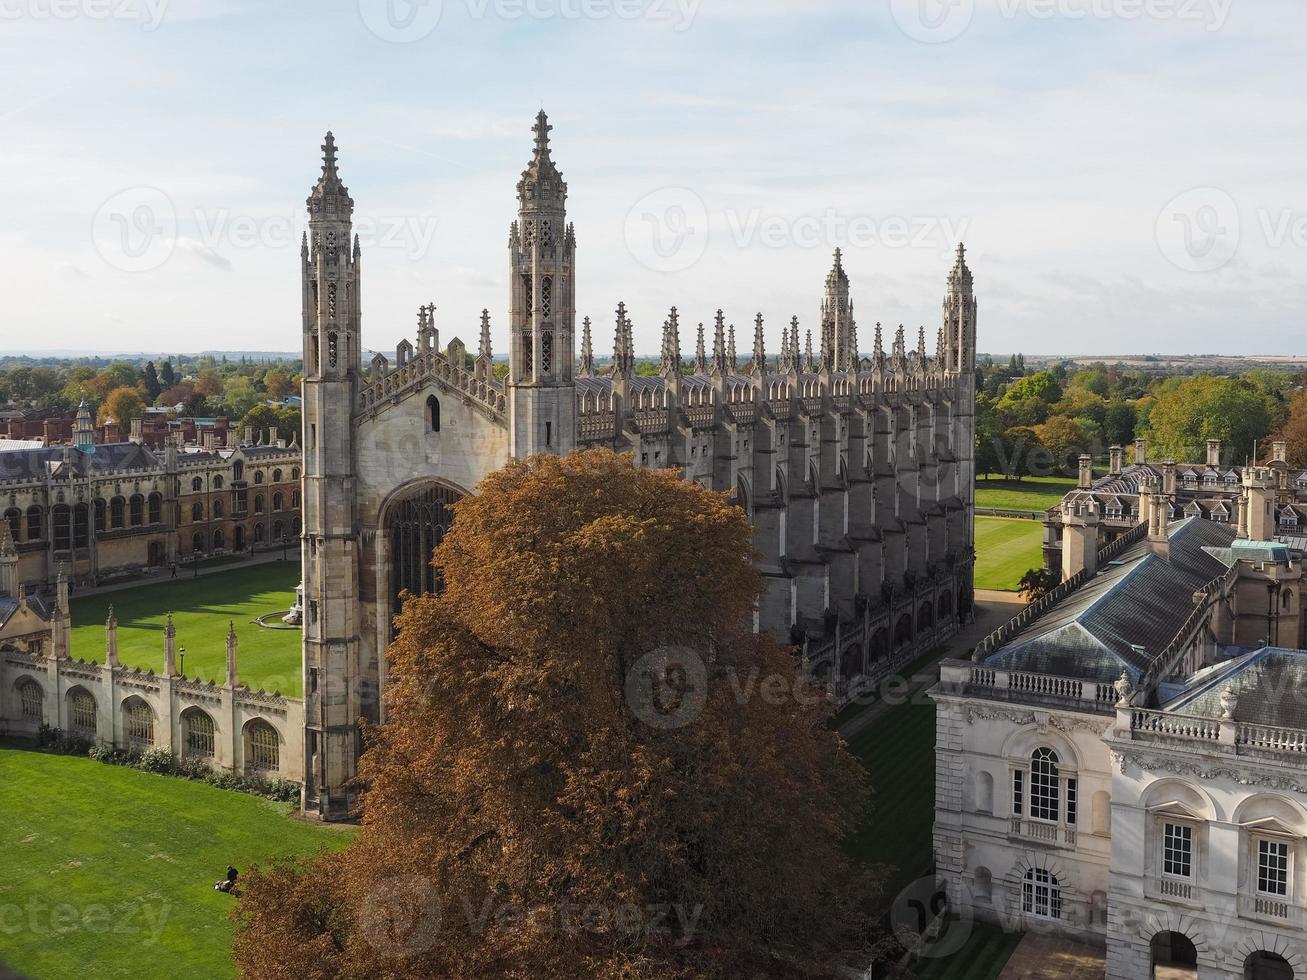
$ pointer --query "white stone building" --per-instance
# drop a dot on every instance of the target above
(227, 725)
(1126, 761)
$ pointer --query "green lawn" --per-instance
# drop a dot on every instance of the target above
(982, 957)
(1005, 550)
(109, 872)
(1032, 494)
(201, 607)
(898, 752)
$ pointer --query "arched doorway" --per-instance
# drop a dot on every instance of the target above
(1267, 966)
(416, 523)
(1174, 957)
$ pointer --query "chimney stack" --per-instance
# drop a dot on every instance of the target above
(1086, 471)
(1141, 452)
(1279, 451)
(1213, 453)
(1117, 455)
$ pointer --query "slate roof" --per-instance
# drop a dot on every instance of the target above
(36, 464)
(1125, 615)
(38, 605)
(1271, 685)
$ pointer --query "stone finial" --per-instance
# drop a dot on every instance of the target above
(671, 361)
(1125, 690)
(759, 364)
(921, 341)
(719, 365)
(587, 368)
(1229, 702)
(623, 345)
(808, 363)
(233, 678)
(879, 348)
(700, 354)
(111, 639)
(483, 349)
(731, 360)
(900, 347)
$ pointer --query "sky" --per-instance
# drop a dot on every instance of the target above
(1127, 174)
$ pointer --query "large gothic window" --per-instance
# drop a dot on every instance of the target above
(547, 351)
(546, 296)
(526, 353)
(417, 524)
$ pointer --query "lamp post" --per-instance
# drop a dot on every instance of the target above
(182, 652)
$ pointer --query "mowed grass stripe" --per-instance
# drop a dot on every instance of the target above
(1005, 550)
(1032, 493)
(129, 859)
(201, 607)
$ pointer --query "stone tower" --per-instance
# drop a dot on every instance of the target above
(1080, 520)
(84, 427)
(1259, 494)
(960, 310)
(542, 313)
(336, 693)
(839, 343)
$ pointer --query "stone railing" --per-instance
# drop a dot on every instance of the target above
(1165, 723)
(1270, 738)
(1074, 692)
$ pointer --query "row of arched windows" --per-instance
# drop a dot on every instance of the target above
(198, 728)
(70, 524)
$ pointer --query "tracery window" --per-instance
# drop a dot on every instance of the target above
(546, 296)
(527, 358)
(81, 713)
(264, 752)
(139, 723)
(547, 351)
(29, 694)
(199, 733)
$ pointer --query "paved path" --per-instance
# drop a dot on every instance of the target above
(1046, 957)
(187, 571)
(992, 609)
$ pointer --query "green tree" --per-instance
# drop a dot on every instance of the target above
(122, 405)
(239, 396)
(167, 376)
(557, 630)
(1119, 424)
(150, 378)
(261, 418)
(1189, 411)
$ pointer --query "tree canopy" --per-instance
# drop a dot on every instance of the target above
(591, 765)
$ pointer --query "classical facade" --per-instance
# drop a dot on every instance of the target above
(856, 471)
(1124, 761)
(106, 511)
(225, 725)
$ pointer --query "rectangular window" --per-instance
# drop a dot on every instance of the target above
(1071, 802)
(1177, 850)
(1018, 791)
(1272, 867)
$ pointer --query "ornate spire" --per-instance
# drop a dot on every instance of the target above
(330, 197)
(731, 361)
(111, 622)
(542, 187)
(623, 355)
(587, 369)
(879, 349)
(483, 349)
(672, 343)
(900, 347)
(719, 364)
(808, 363)
(921, 341)
(700, 355)
(789, 344)
(759, 364)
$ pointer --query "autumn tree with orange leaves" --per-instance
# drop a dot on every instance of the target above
(591, 766)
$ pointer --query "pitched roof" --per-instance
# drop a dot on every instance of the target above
(1270, 684)
(1125, 615)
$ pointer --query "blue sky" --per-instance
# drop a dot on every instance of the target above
(1127, 174)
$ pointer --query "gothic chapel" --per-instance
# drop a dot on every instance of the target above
(857, 472)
